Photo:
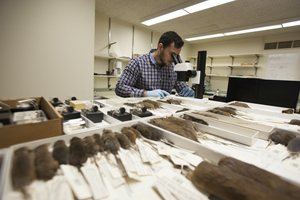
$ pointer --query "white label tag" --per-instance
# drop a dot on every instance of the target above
(76, 181)
(163, 190)
(59, 189)
(123, 157)
(92, 175)
(293, 165)
(278, 150)
(178, 190)
(266, 160)
(163, 149)
(148, 154)
(104, 170)
(191, 158)
(178, 161)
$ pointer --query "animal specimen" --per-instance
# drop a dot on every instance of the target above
(61, 152)
(194, 119)
(45, 164)
(123, 140)
(239, 104)
(78, 153)
(23, 168)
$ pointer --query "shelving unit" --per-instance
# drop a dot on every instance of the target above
(109, 58)
(219, 63)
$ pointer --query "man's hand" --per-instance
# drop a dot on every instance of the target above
(187, 92)
(157, 93)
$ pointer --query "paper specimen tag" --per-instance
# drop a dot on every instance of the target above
(59, 189)
(178, 161)
(163, 149)
(191, 158)
(92, 175)
(148, 154)
(76, 181)
(124, 159)
(163, 190)
(293, 165)
(266, 160)
(178, 190)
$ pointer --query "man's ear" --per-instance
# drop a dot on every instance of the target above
(160, 45)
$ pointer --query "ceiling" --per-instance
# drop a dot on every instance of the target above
(233, 15)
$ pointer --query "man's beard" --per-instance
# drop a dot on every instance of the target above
(161, 57)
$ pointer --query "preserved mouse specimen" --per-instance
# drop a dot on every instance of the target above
(91, 146)
(288, 111)
(123, 140)
(111, 143)
(23, 168)
(283, 138)
(194, 119)
(45, 165)
(78, 153)
(295, 122)
(261, 176)
(183, 128)
(130, 134)
(61, 152)
(239, 104)
(99, 141)
(228, 185)
(220, 112)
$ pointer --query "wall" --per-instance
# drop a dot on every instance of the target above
(245, 46)
(47, 48)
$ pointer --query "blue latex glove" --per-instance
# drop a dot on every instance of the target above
(157, 93)
(187, 92)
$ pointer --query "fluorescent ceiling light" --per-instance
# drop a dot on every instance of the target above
(295, 23)
(205, 5)
(205, 37)
(253, 30)
(166, 17)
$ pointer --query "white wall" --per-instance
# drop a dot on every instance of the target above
(47, 48)
(245, 46)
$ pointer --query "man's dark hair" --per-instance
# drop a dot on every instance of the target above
(168, 37)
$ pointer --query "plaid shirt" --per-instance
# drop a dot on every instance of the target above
(142, 73)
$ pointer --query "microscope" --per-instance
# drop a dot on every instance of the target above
(185, 71)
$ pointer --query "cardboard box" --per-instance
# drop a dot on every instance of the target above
(14, 134)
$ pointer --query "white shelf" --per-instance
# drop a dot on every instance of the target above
(229, 55)
(105, 76)
(227, 76)
(104, 56)
(244, 66)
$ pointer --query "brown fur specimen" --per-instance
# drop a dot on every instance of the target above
(262, 177)
(45, 164)
(205, 114)
(176, 126)
(61, 152)
(295, 122)
(194, 119)
(220, 112)
(182, 122)
(294, 145)
(123, 140)
(111, 143)
(227, 109)
(99, 141)
(228, 185)
(133, 129)
(78, 154)
(149, 106)
(91, 146)
(281, 137)
(288, 111)
(154, 103)
(129, 133)
(239, 104)
(23, 168)
(182, 110)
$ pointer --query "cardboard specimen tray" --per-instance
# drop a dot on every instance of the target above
(225, 130)
(14, 134)
(137, 187)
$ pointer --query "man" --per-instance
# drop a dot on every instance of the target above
(153, 75)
